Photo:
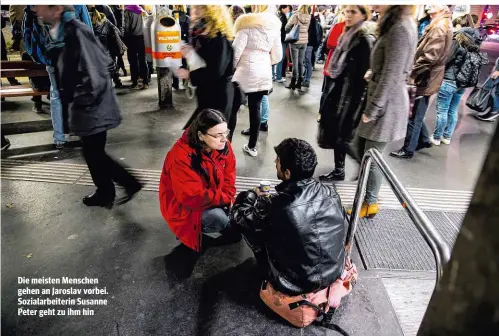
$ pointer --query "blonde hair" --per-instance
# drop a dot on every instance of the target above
(218, 20)
(305, 9)
(181, 8)
(259, 8)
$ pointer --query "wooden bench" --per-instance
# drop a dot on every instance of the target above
(21, 69)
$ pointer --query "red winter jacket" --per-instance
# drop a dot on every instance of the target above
(332, 43)
(184, 194)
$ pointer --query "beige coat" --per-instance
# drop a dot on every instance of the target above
(303, 20)
(431, 56)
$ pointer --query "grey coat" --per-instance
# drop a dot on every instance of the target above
(387, 97)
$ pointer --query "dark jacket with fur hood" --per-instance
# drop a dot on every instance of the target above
(465, 40)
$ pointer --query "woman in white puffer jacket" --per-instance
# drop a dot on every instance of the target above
(257, 47)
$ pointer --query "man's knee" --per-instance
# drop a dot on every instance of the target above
(214, 220)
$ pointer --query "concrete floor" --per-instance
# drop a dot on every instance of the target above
(46, 231)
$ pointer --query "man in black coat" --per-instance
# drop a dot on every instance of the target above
(298, 234)
(90, 107)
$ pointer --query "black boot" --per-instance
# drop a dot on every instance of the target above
(338, 174)
(97, 199)
(298, 84)
(230, 235)
(264, 127)
(292, 85)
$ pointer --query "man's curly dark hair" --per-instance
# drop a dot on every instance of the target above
(298, 156)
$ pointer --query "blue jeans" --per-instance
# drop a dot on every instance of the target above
(417, 133)
(308, 64)
(56, 108)
(214, 220)
(265, 109)
(447, 103)
(277, 68)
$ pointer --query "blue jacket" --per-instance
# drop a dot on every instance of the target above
(37, 36)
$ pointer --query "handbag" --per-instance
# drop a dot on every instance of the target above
(293, 35)
(302, 310)
(481, 99)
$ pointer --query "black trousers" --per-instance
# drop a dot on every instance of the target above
(339, 157)
(254, 105)
(103, 169)
(137, 58)
(120, 63)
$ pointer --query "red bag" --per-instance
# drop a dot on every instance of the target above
(302, 310)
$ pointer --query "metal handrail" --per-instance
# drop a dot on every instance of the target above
(423, 224)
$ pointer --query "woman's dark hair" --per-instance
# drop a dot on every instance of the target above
(392, 15)
(298, 156)
(205, 120)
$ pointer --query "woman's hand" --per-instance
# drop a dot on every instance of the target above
(365, 118)
(182, 73)
(186, 50)
(495, 74)
(368, 75)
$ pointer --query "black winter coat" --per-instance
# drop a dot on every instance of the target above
(214, 88)
(84, 82)
(345, 102)
(120, 18)
(108, 12)
(304, 233)
(284, 22)
(185, 24)
(133, 24)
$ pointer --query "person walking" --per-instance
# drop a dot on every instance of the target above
(342, 108)
(427, 74)
(134, 40)
(185, 24)
(88, 95)
(257, 46)
(385, 117)
(314, 40)
(297, 49)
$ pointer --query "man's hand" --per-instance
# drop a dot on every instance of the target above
(182, 73)
(368, 75)
(365, 118)
(258, 192)
(186, 50)
(495, 74)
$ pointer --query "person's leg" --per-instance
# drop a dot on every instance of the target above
(307, 64)
(265, 109)
(121, 176)
(96, 158)
(444, 98)
(301, 60)
(121, 64)
(415, 124)
(375, 177)
(278, 74)
(214, 220)
(254, 105)
(141, 55)
(295, 54)
(284, 60)
(453, 115)
(132, 60)
(56, 109)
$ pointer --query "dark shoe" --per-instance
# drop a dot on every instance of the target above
(292, 84)
(338, 174)
(14, 82)
(38, 109)
(5, 143)
(306, 84)
(58, 146)
(96, 199)
(125, 74)
(245, 132)
(402, 154)
(271, 90)
(299, 83)
(264, 127)
(129, 195)
(134, 86)
(118, 85)
(230, 235)
(423, 145)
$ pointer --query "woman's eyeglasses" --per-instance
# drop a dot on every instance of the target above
(220, 135)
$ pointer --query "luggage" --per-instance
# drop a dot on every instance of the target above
(302, 310)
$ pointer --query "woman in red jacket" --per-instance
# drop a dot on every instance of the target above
(198, 181)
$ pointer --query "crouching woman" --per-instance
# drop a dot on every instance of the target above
(197, 185)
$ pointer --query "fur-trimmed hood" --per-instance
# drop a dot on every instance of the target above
(265, 21)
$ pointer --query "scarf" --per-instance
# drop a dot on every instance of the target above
(56, 39)
(338, 60)
(134, 9)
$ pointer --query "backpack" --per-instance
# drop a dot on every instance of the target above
(469, 71)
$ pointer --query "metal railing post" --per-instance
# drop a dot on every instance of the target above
(430, 234)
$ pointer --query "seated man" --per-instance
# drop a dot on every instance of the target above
(298, 234)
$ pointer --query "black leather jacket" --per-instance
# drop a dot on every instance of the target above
(304, 228)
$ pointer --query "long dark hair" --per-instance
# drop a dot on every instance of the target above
(392, 15)
(205, 120)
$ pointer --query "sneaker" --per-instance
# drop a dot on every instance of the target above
(38, 109)
(491, 116)
(282, 80)
(58, 146)
(446, 141)
(434, 141)
(250, 151)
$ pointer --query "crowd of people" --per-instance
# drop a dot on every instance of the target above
(378, 78)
